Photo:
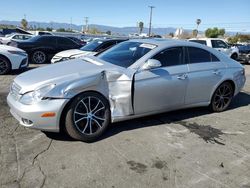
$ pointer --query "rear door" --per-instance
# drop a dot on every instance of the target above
(164, 87)
(205, 71)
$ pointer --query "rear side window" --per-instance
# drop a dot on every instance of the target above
(198, 55)
(170, 57)
(199, 41)
(47, 40)
(65, 41)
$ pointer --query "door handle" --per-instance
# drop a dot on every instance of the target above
(182, 76)
(216, 72)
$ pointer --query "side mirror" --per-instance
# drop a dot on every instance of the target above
(151, 63)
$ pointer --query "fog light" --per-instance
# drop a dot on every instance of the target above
(27, 121)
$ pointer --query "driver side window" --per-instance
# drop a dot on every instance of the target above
(170, 57)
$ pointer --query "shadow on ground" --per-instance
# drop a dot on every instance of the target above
(206, 132)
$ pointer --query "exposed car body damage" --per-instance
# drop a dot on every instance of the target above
(114, 85)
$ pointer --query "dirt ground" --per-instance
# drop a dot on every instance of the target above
(188, 148)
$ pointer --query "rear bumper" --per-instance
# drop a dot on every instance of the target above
(30, 115)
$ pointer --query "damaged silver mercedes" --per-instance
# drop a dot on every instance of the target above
(132, 79)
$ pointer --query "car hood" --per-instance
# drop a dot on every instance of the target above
(63, 73)
(74, 52)
(6, 48)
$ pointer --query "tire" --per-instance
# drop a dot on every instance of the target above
(222, 97)
(87, 117)
(5, 65)
(234, 56)
(39, 57)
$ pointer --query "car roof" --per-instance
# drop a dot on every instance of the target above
(114, 39)
(206, 39)
(163, 42)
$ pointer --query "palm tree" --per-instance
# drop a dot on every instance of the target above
(141, 25)
(198, 22)
(195, 32)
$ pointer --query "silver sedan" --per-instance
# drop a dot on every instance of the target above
(133, 79)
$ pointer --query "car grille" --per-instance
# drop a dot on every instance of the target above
(14, 91)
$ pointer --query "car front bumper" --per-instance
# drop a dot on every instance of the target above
(31, 115)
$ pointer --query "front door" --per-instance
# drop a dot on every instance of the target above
(162, 88)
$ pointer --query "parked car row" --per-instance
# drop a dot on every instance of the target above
(132, 79)
(50, 48)
(91, 48)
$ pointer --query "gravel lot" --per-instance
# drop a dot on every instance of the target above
(187, 148)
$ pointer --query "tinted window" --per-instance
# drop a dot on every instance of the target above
(199, 41)
(65, 41)
(47, 40)
(214, 58)
(170, 57)
(197, 55)
(219, 44)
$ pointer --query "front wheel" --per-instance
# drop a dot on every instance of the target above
(87, 117)
(5, 65)
(222, 97)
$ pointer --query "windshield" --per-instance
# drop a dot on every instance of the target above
(92, 45)
(126, 53)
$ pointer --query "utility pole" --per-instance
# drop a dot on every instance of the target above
(150, 20)
(70, 23)
(86, 24)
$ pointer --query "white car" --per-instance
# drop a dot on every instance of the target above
(12, 58)
(14, 37)
(92, 48)
(219, 45)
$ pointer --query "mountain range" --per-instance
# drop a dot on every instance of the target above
(103, 28)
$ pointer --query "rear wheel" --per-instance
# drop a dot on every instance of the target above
(222, 97)
(5, 65)
(87, 117)
(39, 57)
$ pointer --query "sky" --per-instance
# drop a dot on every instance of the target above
(233, 15)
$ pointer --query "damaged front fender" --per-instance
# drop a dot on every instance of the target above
(115, 85)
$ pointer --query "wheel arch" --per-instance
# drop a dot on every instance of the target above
(66, 106)
(227, 80)
(234, 54)
(5, 57)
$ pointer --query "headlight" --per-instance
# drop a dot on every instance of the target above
(37, 95)
(17, 52)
